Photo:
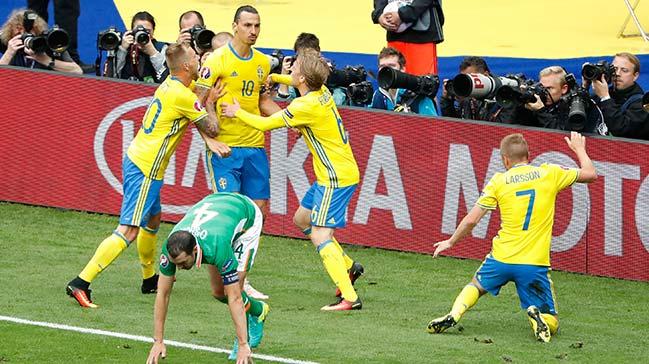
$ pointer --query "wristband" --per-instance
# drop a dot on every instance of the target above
(605, 98)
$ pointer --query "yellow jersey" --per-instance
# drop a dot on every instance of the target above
(244, 78)
(164, 123)
(315, 115)
(525, 195)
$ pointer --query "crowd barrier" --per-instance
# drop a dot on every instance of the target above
(63, 138)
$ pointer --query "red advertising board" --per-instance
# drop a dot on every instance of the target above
(64, 137)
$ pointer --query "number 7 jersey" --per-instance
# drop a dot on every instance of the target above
(243, 79)
(525, 196)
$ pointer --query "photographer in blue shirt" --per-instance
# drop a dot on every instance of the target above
(400, 100)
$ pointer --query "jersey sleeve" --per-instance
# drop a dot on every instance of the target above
(210, 70)
(167, 268)
(297, 113)
(226, 263)
(487, 199)
(263, 123)
(188, 105)
(563, 177)
(283, 79)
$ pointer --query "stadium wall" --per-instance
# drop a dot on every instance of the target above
(64, 138)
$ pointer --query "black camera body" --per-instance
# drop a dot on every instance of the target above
(141, 35)
(56, 40)
(577, 99)
(426, 85)
(109, 39)
(594, 71)
(201, 37)
(360, 93)
(346, 76)
(276, 59)
(36, 43)
(511, 96)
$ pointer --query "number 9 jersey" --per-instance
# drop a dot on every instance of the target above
(525, 196)
(243, 78)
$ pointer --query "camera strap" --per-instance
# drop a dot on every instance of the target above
(630, 101)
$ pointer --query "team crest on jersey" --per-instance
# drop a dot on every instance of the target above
(205, 72)
(198, 106)
(164, 261)
(260, 73)
(223, 183)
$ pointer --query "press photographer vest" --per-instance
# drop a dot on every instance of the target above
(138, 66)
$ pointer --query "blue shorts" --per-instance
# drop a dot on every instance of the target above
(245, 171)
(533, 282)
(141, 196)
(328, 205)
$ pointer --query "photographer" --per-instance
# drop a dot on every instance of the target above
(188, 20)
(621, 104)
(140, 57)
(399, 99)
(302, 42)
(479, 109)
(23, 25)
(562, 102)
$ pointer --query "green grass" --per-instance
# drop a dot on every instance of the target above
(41, 249)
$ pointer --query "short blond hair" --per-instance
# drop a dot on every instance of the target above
(15, 20)
(514, 147)
(631, 58)
(554, 70)
(314, 69)
(176, 54)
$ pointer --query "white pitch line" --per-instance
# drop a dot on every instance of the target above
(145, 339)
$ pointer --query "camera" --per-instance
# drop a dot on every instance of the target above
(510, 96)
(479, 86)
(56, 39)
(276, 59)
(360, 93)
(36, 43)
(577, 98)
(141, 35)
(346, 76)
(426, 85)
(201, 37)
(109, 39)
(594, 71)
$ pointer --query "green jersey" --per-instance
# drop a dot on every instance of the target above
(216, 222)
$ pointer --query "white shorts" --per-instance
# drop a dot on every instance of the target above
(248, 242)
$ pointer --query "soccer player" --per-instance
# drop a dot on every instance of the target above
(221, 231)
(243, 70)
(525, 195)
(173, 106)
(323, 207)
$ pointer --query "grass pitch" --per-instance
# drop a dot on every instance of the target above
(602, 319)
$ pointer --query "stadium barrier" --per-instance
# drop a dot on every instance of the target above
(64, 137)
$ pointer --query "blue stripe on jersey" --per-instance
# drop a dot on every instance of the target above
(237, 55)
(163, 148)
(288, 113)
(323, 157)
(286, 121)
